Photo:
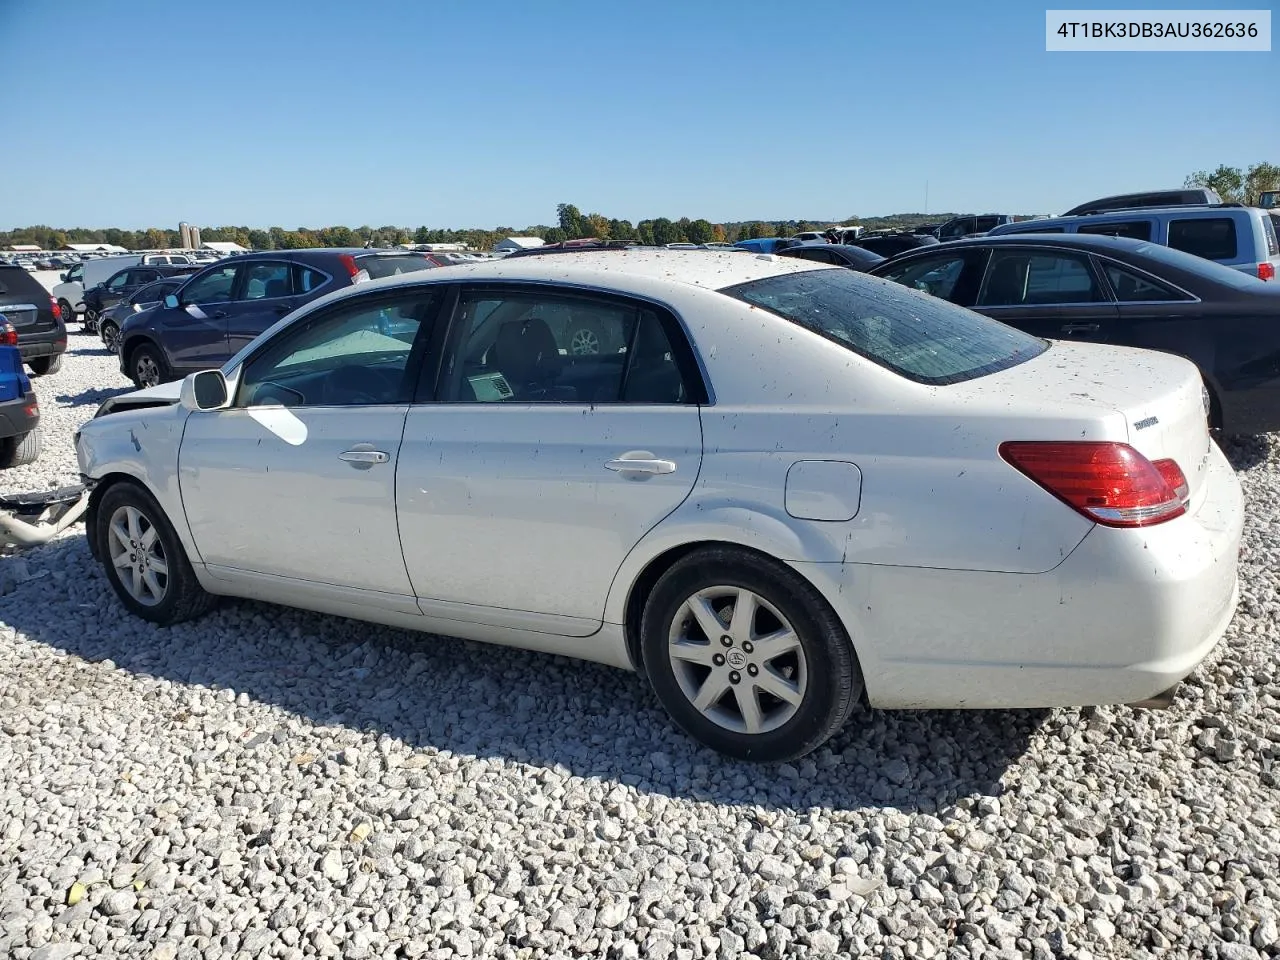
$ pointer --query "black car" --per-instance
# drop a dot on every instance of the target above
(121, 284)
(840, 254)
(225, 306)
(892, 244)
(112, 319)
(1124, 292)
(42, 335)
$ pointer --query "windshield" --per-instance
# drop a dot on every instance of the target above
(382, 265)
(913, 334)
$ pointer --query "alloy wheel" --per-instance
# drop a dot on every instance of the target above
(110, 336)
(148, 372)
(137, 554)
(584, 343)
(737, 660)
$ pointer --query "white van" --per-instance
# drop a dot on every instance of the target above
(85, 276)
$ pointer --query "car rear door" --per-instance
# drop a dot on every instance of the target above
(1048, 292)
(522, 489)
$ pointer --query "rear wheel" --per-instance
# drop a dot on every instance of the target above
(147, 367)
(42, 366)
(68, 311)
(17, 451)
(144, 559)
(747, 657)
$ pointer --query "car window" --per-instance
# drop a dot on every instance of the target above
(1131, 287)
(543, 348)
(1213, 238)
(152, 291)
(354, 355)
(936, 275)
(917, 336)
(1032, 278)
(212, 287)
(305, 279)
(119, 281)
(1134, 229)
(76, 273)
(267, 280)
(382, 265)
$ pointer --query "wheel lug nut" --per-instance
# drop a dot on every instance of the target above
(735, 676)
(752, 669)
(718, 660)
(726, 640)
(747, 646)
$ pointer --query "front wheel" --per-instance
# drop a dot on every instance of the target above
(144, 559)
(110, 334)
(747, 657)
(146, 367)
(43, 366)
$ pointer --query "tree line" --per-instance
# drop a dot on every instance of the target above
(1233, 184)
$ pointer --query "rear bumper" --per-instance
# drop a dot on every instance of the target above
(1126, 616)
(15, 421)
(45, 343)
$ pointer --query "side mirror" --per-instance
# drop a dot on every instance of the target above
(206, 390)
(171, 301)
(62, 277)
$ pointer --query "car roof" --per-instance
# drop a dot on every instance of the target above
(1133, 213)
(633, 271)
(1093, 241)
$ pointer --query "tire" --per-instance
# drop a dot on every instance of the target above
(110, 334)
(68, 311)
(19, 451)
(147, 366)
(585, 340)
(818, 668)
(171, 594)
(43, 366)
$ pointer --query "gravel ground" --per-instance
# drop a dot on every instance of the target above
(269, 783)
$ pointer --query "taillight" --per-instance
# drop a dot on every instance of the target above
(349, 262)
(57, 310)
(1266, 270)
(8, 335)
(32, 409)
(1110, 483)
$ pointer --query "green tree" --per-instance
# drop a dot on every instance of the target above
(700, 231)
(758, 230)
(664, 231)
(570, 219)
(1227, 182)
(621, 230)
(644, 232)
(1260, 177)
(595, 225)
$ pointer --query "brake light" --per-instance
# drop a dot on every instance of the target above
(57, 310)
(1110, 483)
(348, 261)
(8, 335)
(31, 409)
(1266, 270)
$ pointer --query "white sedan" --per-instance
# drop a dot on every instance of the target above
(777, 489)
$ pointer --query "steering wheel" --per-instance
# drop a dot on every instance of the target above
(353, 385)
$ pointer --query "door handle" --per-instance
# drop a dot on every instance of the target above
(648, 466)
(283, 307)
(220, 315)
(1080, 328)
(363, 457)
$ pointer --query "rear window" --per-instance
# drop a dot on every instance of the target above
(16, 282)
(1133, 229)
(913, 334)
(379, 265)
(1206, 269)
(1213, 238)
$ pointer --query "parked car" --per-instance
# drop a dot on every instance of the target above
(37, 318)
(85, 276)
(1180, 197)
(891, 244)
(765, 244)
(144, 298)
(810, 236)
(220, 309)
(971, 225)
(122, 284)
(1243, 238)
(797, 485)
(1127, 292)
(19, 410)
(840, 254)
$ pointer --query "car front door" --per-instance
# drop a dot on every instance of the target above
(295, 481)
(1047, 292)
(194, 334)
(524, 486)
(265, 294)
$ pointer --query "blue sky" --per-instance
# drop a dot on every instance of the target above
(275, 112)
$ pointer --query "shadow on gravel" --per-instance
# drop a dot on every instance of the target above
(509, 705)
(94, 395)
(1246, 452)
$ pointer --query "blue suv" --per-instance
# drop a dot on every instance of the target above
(219, 310)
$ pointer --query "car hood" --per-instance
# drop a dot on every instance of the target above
(160, 395)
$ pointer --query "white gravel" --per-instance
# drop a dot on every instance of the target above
(268, 783)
